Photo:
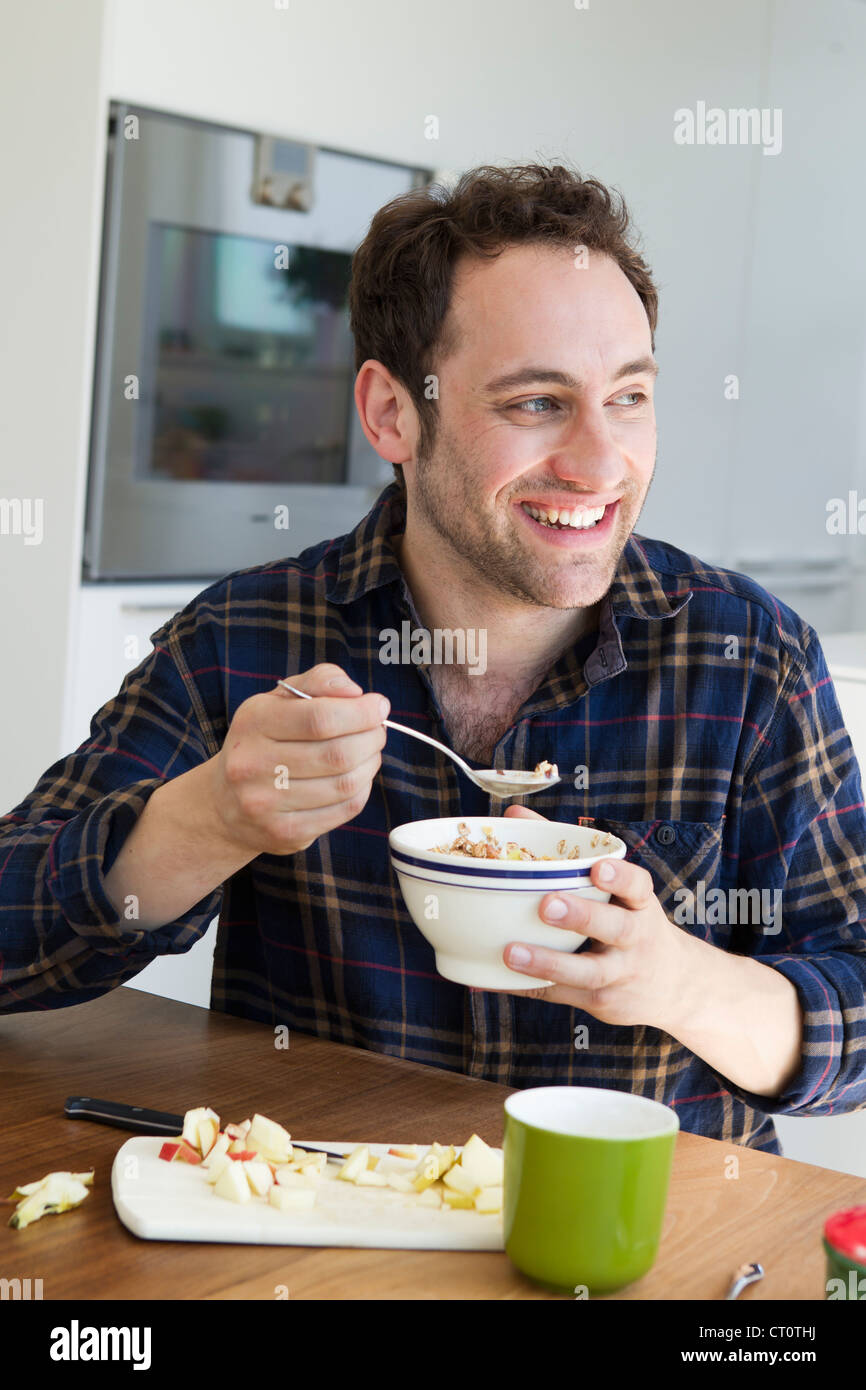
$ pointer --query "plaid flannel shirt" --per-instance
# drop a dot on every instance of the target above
(709, 726)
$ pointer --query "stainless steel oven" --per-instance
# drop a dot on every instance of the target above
(224, 430)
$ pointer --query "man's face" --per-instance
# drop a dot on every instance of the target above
(584, 441)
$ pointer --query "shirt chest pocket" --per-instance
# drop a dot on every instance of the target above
(679, 855)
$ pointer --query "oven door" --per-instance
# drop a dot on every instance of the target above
(224, 430)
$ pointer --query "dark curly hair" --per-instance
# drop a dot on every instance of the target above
(403, 270)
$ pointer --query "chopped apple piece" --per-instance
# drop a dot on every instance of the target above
(404, 1150)
(236, 1131)
(259, 1177)
(239, 1146)
(219, 1149)
(430, 1198)
(269, 1139)
(292, 1177)
(401, 1182)
(291, 1198)
(191, 1121)
(373, 1162)
(301, 1159)
(368, 1179)
(179, 1152)
(483, 1163)
(489, 1199)
(433, 1165)
(460, 1181)
(356, 1163)
(458, 1199)
(187, 1154)
(233, 1183)
(447, 1157)
(245, 1155)
(216, 1166)
(208, 1130)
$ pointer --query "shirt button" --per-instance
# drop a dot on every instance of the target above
(665, 835)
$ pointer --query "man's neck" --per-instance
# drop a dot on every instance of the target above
(522, 641)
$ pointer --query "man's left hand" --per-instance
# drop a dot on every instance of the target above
(634, 973)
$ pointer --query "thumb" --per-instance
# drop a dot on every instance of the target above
(524, 812)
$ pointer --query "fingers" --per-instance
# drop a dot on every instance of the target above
(322, 791)
(331, 757)
(524, 812)
(329, 714)
(592, 972)
(630, 884)
(324, 679)
(288, 832)
(605, 922)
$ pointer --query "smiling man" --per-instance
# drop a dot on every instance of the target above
(505, 350)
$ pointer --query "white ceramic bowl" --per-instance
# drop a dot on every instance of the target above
(469, 909)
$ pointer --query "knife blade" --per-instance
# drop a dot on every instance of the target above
(136, 1117)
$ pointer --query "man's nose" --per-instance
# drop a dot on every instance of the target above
(589, 455)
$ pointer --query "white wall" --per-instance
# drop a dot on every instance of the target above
(52, 132)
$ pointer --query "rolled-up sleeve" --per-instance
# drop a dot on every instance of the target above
(61, 940)
(804, 842)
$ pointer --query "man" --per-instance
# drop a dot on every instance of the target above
(504, 340)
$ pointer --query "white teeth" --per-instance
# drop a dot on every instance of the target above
(578, 520)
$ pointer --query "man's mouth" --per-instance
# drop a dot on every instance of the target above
(575, 519)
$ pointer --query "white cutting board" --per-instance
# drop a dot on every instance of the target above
(174, 1201)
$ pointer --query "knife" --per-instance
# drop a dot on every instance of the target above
(111, 1112)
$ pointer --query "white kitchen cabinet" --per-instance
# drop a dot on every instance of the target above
(114, 624)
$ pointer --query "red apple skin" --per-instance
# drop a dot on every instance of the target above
(186, 1154)
(168, 1151)
(246, 1155)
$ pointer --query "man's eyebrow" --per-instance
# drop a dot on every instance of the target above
(525, 376)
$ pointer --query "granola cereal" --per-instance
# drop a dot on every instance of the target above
(490, 848)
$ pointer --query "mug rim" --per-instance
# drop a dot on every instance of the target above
(669, 1122)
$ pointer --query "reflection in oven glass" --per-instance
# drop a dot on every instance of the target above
(251, 355)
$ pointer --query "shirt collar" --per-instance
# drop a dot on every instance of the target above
(367, 560)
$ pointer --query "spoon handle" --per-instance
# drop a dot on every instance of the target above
(414, 733)
(745, 1275)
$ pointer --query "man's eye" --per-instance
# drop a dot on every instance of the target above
(532, 400)
(638, 397)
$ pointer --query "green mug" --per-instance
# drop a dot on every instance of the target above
(586, 1182)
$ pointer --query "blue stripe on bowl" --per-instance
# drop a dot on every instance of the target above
(468, 868)
(482, 887)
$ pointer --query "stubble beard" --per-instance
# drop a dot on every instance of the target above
(502, 558)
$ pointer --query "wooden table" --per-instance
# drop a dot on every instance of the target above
(145, 1050)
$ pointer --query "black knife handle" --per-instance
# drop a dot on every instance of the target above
(111, 1112)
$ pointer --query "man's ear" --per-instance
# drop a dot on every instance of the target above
(388, 417)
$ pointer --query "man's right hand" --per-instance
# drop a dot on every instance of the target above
(290, 770)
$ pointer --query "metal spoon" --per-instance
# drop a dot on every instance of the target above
(501, 784)
(745, 1275)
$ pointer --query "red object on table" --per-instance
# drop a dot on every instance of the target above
(846, 1232)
